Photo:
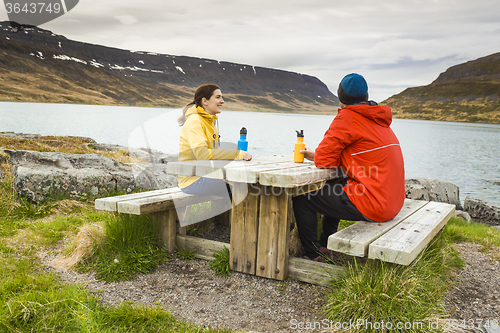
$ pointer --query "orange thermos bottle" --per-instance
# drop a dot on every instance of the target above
(298, 157)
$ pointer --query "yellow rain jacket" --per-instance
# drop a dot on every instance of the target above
(198, 141)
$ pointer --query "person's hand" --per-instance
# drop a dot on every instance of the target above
(247, 156)
(308, 154)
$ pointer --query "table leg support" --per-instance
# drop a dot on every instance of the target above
(274, 233)
(167, 227)
(244, 223)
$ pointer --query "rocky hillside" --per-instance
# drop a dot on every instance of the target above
(37, 65)
(467, 92)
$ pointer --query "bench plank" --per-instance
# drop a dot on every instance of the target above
(312, 271)
(160, 203)
(355, 239)
(205, 248)
(111, 203)
(402, 244)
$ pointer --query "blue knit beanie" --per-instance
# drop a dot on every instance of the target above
(353, 89)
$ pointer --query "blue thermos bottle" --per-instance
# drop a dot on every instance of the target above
(242, 142)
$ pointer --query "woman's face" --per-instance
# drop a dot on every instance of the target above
(213, 105)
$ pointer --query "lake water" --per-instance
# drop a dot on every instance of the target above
(464, 154)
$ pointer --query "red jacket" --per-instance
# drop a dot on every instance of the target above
(360, 140)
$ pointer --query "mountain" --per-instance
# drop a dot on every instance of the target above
(467, 92)
(37, 65)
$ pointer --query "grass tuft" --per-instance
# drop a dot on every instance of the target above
(221, 263)
(129, 246)
(378, 291)
(185, 254)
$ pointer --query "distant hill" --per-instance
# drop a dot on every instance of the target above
(467, 92)
(37, 65)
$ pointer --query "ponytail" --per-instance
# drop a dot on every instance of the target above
(182, 119)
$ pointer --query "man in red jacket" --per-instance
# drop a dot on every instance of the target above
(361, 142)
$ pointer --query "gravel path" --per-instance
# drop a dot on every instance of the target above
(192, 291)
(476, 290)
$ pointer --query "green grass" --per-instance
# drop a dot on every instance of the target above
(185, 254)
(221, 263)
(33, 301)
(377, 291)
(130, 246)
(459, 230)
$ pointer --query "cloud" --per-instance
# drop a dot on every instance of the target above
(392, 42)
(126, 19)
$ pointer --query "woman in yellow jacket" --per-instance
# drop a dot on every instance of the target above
(200, 141)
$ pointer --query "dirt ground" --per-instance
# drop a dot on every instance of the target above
(192, 291)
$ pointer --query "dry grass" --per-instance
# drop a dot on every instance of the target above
(68, 206)
(63, 144)
(82, 246)
(477, 110)
(495, 252)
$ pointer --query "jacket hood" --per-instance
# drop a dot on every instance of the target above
(201, 112)
(382, 115)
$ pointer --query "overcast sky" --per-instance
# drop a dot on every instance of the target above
(394, 44)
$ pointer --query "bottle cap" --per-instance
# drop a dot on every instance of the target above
(243, 131)
(300, 134)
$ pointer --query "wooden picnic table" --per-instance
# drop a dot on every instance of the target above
(260, 223)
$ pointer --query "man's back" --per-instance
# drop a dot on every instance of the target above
(361, 141)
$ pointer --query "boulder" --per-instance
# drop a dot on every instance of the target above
(482, 211)
(462, 215)
(152, 176)
(146, 154)
(433, 190)
(39, 174)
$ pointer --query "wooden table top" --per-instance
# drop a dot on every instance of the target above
(277, 171)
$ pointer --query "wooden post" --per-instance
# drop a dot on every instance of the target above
(166, 222)
(274, 231)
(244, 222)
(180, 230)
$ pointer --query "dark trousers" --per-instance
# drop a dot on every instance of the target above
(333, 203)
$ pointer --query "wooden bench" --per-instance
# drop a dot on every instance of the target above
(159, 204)
(399, 240)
